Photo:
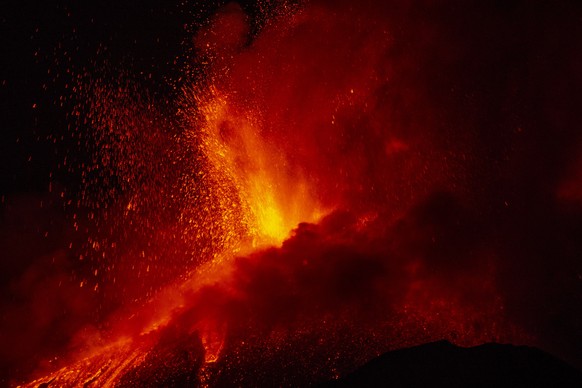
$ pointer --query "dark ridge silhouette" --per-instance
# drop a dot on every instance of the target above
(443, 364)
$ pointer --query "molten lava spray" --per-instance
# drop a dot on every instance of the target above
(329, 181)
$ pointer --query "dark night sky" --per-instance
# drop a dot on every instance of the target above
(38, 37)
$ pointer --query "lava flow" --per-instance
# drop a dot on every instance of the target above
(328, 181)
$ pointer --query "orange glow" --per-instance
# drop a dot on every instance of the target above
(274, 199)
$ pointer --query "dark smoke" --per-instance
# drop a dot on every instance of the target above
(455, 125)
(383, 107)
(43, 302)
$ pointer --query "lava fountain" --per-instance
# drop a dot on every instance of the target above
(317, 191)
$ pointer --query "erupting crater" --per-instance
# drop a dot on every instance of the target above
(322, 183)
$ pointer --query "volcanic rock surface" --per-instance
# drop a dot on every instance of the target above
(446, 365)
(436, 364)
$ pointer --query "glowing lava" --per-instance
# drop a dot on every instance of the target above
(273, 198)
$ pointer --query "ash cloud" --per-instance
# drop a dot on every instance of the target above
(336, 285)
(361, 266)
(456, 124)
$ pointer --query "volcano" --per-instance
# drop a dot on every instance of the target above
(441, 364)
(437, 364)
(278, 192)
